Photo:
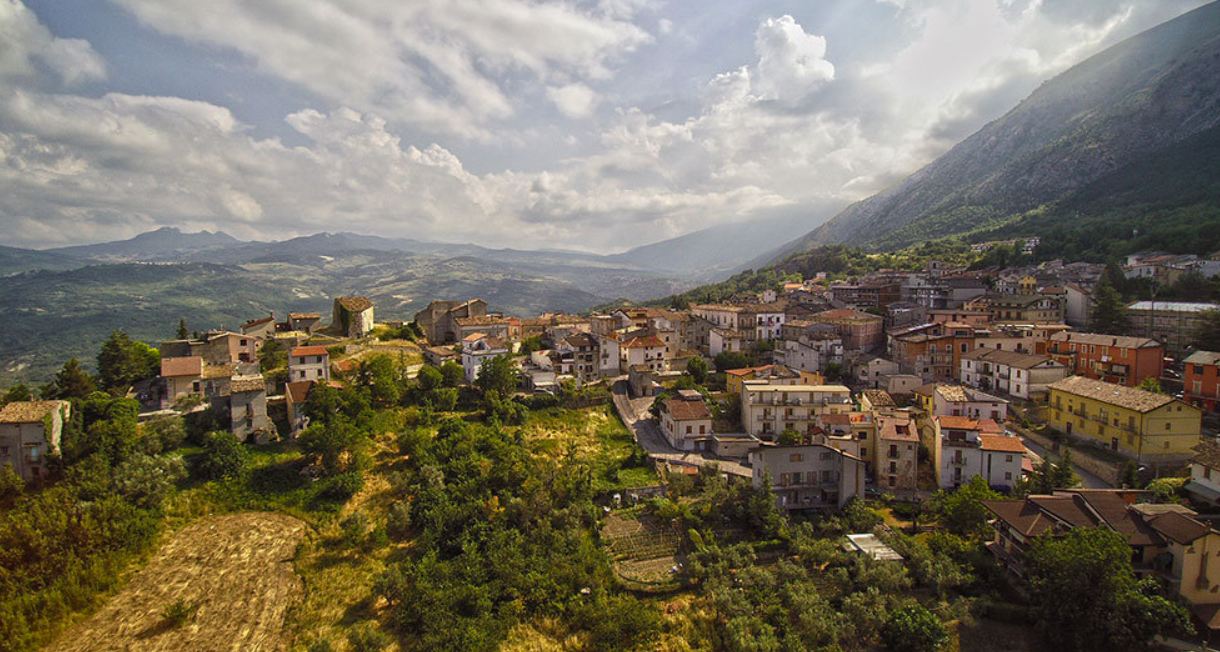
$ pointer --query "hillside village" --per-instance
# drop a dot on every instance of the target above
(896, 387)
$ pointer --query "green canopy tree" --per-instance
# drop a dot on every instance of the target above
(1109, 313)
(182, 333)
(1086, 597)
(380, 377)
(697, 368)
(913, 629)
(498, 375)
(452, 373)
(962, 511)
(123, 361)
(72, 381)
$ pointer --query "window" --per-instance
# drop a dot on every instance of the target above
(1008, 458)
(1167, 427)
(893, 467)
(796, 477)
(1198, 369)
(1008, 475)
(796, 457)
(688, 429)
(825, 456)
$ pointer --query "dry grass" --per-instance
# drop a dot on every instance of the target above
(235, 572)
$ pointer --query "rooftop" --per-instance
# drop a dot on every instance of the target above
(187, 366)
(1120, 395)
(302, 351)
(1173, 306)
(1001, 443)
(1098, 339)
(682, 409)
(1204, 357)
(28, 411)
(355, 304)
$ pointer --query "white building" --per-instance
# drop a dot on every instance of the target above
(648, 351)
(968, 447)
(309, 363)
(872, 370)
(29, 432)
(959, 401)
(686, 422)
(767, 409)
(477, 349)
(813, 476)
(1204, 482)
(809, 354)
(1022, 375)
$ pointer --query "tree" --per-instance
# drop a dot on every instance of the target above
(145, 480)
(1207, 337)
(962, 511)
(272, 355)
(1151, 384)
(913, 629)
(11, 484)
(123, 361)
(531, 344)
(18, 392)
(726, 360)
(336, 444)
(379, 376)
(1086, 597)
(497, 375)
(223, 457)
(1050, 474)
(1109, 313)
(452, 373)
(182, 333)
(73, 382)
(697, 368)
(833, 372)
(429, 378)
(789, 437)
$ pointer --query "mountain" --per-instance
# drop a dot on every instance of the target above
(14, 260)
(717, 250)
(1128, 102)
(163, 243)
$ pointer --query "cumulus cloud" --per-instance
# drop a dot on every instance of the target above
(573, 100)
(790, 62)
(442, 65)
(25, 43)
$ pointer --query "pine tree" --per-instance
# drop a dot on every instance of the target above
(182, 333)
(1108, 315)
(73, 382)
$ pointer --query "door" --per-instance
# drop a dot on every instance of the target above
(1114, 443)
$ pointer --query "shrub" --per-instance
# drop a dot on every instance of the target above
(11, 484)
(223, 457)
(344, 485)
(178, 612)
(398, 522)
(367, 639)
(353, 528)
(146, 481)
(913, 629)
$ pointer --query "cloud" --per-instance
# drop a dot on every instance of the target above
(573, 100)
(790, 62)
(25, 43)
(446, 66)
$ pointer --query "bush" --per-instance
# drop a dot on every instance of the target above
(398, 522)
(163, 434)
(621, 623)
(354, 528)
(146, 481)
(367, 639)
(538, 401)
(913, 629)
(11, 484)
(178, 612)
(223, 457)
(344, 485)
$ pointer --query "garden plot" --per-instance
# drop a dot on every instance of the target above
(644, 549)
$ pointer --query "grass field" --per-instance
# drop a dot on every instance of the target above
(594, 436)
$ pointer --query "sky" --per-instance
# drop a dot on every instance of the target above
(594, 125)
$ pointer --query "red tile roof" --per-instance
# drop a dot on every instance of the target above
(1002, 443)
(649, 342)
(28, 411)
(355, 304)
(684, 410)
(298, 391)
(179, 367)
(302, 351)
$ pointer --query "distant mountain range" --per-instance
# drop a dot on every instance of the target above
(1110, 113)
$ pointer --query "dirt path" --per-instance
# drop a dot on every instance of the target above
(236, 570)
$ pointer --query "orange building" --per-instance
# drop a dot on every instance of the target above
(1118, 359)
(1201, 380)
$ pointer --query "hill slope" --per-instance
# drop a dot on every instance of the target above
(1135, 98)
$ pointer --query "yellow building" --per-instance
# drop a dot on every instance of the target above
(1144, 426)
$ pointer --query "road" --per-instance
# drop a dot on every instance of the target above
(648, 434)
(1087, 479)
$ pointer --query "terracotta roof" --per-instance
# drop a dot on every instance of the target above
(28, 411)
(1203, 357)
(302, 351)
(650, 341)
(185, 366)
(213, 371)
(1207, 453)
(1002, 443)
(298, 391)
(1021, 515)
(894, 429)
(304, 315)
(686, 410)
(480, 321)
(1179, 527)
(247, 384)
(442, 351)
(1077, 508)
(880, 398)
(355, 304)
(835, 419)
(845, 314)
(1120, 395)
(256, 322)
(1122, 341)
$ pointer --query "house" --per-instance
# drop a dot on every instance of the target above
(29, 432)
(900, 384)
(477, 349)
(642, 381)
(215, 347)
(183, 376)
(353, 316)
(809, 346)
(492, 325)
(609, 353)
(1144, 426)
(721, 340)
(876, 399)
(860, 331)
(1168, 542)
(1022, 375)
(1172, 322)
(958, 401)
(304, 322)
(439, 355)
(870, 370)
(246, 409)
(437, 321)
(685, 421)
(1201, 380)
(648, 351)
(295, 395)
(1078, 305)
(260, 328)
(309, 363)
(1025, 308)
(965, 447)
(808, 476)
(775, 374)
(896, 453)
(576, 355)
(932, 351)
(1204, 484)
(768, 409)
(1120, 359)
